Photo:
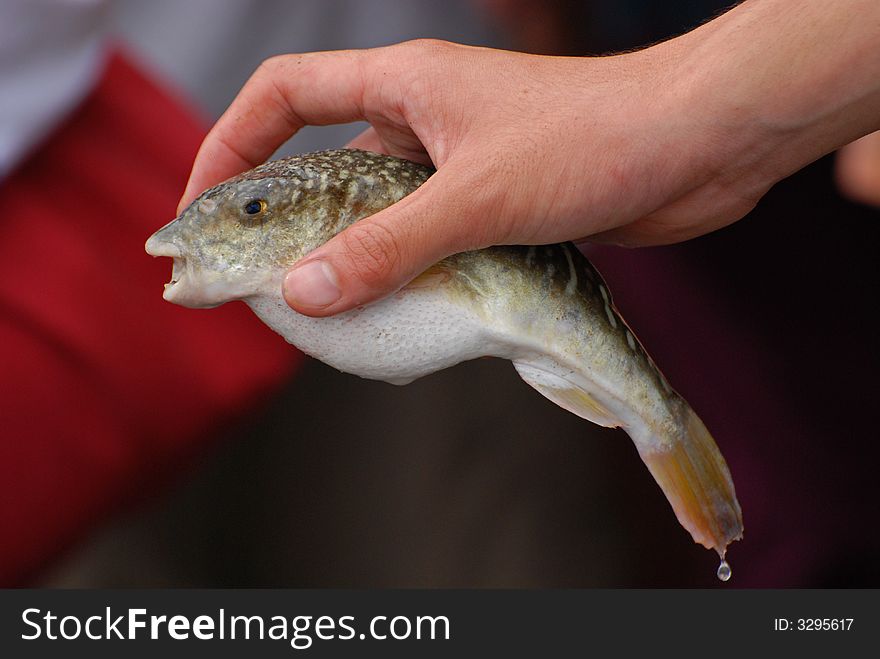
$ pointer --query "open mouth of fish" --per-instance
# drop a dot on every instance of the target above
(157, 247)
(189, 286)
(178, 270)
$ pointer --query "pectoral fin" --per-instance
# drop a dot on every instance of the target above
(435, 276)
(566, 394)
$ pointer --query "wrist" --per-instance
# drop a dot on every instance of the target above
(784, 82)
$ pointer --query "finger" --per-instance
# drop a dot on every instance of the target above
(857, 170)
(368, 140)
(674, 223)
(656, 229)
(379, 254)
(283, 95)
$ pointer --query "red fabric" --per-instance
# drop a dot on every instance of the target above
(103, 383)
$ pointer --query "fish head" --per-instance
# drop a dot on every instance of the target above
(239, 238)
(236, 240)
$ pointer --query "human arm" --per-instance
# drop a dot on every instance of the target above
(649, 147)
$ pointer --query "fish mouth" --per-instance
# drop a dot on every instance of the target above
(158, 247)
(186, 287)
(190, 286)
(178, 270)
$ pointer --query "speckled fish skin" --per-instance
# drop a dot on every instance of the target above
(545, 308)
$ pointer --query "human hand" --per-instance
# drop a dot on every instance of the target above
(528, 150)
(858, 170)
(649, 147)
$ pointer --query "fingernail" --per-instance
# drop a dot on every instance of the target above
(313, 284)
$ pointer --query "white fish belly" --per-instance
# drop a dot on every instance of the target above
(413, 333)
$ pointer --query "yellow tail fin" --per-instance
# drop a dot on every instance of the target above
(694, 477)
(689, 468)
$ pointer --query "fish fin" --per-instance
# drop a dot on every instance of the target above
(689, 468)
(565, 393)
(436, 275)
(695, 479)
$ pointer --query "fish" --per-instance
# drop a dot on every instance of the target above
(543, 307)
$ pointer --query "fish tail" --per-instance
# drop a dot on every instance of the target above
(688, 465)
(695, 479)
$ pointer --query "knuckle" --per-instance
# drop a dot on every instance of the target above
(271, 65)
(429, 47)
(373, 252)
(269, 74)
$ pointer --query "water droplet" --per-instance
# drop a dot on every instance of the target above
(724, 572)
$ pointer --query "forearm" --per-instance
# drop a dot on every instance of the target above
(791, 79)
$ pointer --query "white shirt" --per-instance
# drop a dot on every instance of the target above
(50, 57)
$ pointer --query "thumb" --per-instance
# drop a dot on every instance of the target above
(380, 254)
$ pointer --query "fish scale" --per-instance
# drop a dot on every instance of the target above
(544, 308)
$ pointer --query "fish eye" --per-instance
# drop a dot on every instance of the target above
(255, 206)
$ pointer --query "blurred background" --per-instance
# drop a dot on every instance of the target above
(143, 444)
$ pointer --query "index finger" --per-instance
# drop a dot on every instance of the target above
(284, 94)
